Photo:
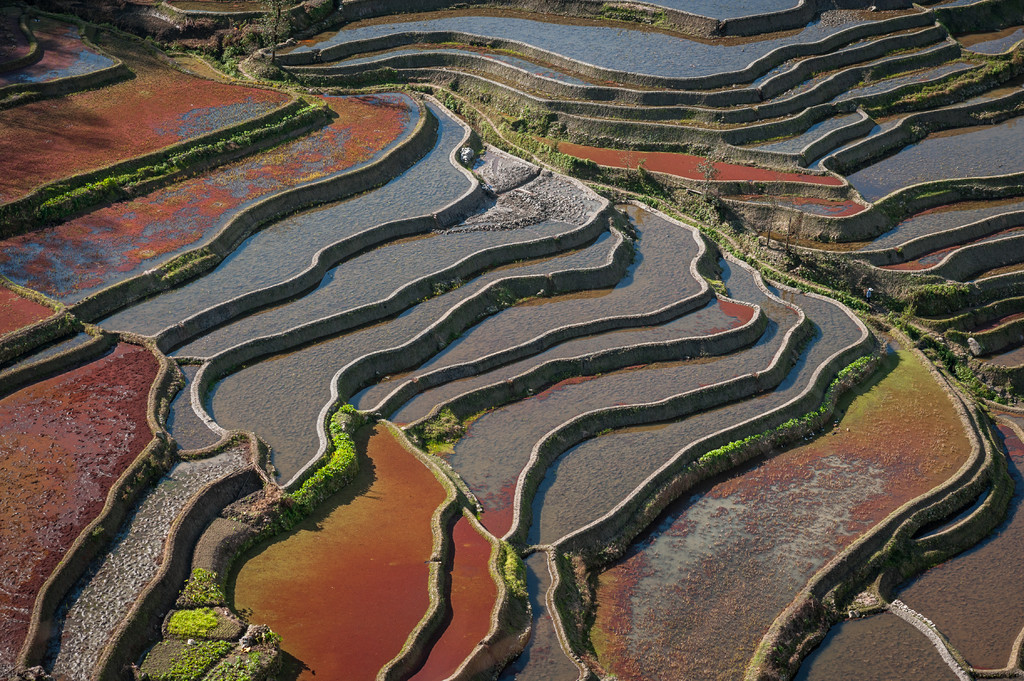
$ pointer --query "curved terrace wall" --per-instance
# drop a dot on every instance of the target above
(408, 390)
(398, 159)
(18, 93)
(33, 55)
(882, 549)
(617, 528)
(151, 463)
(752, 71)
(291, 119)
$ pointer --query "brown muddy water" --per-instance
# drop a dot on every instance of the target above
(879, 648)
(975, 599)
(347, 585)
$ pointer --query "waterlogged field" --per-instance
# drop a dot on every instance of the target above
(695, 595)
(618, 455)
(88, 130)
(65, 441)
(116, 242)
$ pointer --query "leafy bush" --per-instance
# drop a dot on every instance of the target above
(192, 623)
(339, 467)
(513, 571)
(202, 588)
(443, 429)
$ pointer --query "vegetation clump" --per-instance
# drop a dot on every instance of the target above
(202, 589)
(442, 431)
(196, 623)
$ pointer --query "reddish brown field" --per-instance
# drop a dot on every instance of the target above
(347, 586)
(685, 165)
(117, 241)
(13, 41)
(472, 599)
(16, 312)
(46, 140)
(694, 597)
(63, 443)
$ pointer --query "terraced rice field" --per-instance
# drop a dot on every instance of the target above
(85, 131)
(66, 440)
(574, 340)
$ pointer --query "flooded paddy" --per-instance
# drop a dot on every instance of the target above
(658, 277)
(877, 648)
(281, 397)
(969, 597)
(793, 145)
(13, 41)
(104, 595)
(944, 217)
(184, 425)
(348, 584)
(685, 165)
(616, 47)
(64, 442)
(473, 596)
(115, 242)
(64, 54)
(496, 446)
(89, 130)
(992, 42)
(286, 248)
(367, 279)
(889, 84)
(694, 595)
(543, 658)
(17, 311)
(825, 207)
(935, 257)
(978, 151)
(717, 316)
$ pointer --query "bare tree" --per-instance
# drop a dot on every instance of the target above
(276, 23)
(708, 171)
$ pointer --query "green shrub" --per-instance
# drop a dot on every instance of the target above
(192, 623)
(339, 467)
(513, 571)
(202, 588)
(443, 429)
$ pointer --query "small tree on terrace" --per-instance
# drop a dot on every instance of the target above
(708, 170)
(276, 22)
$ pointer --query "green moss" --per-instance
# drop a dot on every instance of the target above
(192, 623)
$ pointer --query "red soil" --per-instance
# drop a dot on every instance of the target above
(740, 312)
(347, 585)
(114, 241)
(472, 599)
(16, 312)
(753, 537)
(935, 257)
(46, 140)
(685, 165)
(63, 443)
